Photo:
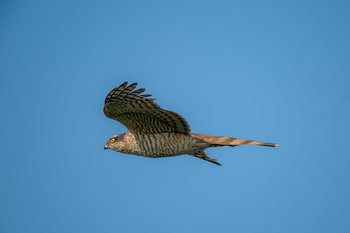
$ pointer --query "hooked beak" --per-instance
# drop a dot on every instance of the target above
(105, 147)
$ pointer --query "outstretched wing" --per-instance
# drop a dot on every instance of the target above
(141, 114)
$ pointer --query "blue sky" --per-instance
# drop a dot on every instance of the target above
(267, 70)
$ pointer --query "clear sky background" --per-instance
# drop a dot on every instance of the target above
(274, 71)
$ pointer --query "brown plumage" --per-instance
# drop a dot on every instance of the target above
(155, 132)
(228, 141)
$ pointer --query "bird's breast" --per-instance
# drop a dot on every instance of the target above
(163, 144)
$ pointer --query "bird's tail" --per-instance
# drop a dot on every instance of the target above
(228, 141)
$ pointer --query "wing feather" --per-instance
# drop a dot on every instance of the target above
(141, 114)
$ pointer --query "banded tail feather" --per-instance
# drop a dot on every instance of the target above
(228, 141)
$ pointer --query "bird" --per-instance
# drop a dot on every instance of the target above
(155, 132)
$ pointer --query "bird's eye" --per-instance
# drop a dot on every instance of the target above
(112, 140)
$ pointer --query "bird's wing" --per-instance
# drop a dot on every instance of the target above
(141, 114)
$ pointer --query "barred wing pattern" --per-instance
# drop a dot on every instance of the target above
(141, 114)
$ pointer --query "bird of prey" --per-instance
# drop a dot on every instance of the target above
(155, 132)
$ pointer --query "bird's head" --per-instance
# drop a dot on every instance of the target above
(115, 143)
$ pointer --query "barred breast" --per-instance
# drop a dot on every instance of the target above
(167, 144)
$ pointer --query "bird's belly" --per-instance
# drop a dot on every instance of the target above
(165, 145)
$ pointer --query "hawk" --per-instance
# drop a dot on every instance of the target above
(155, 132)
